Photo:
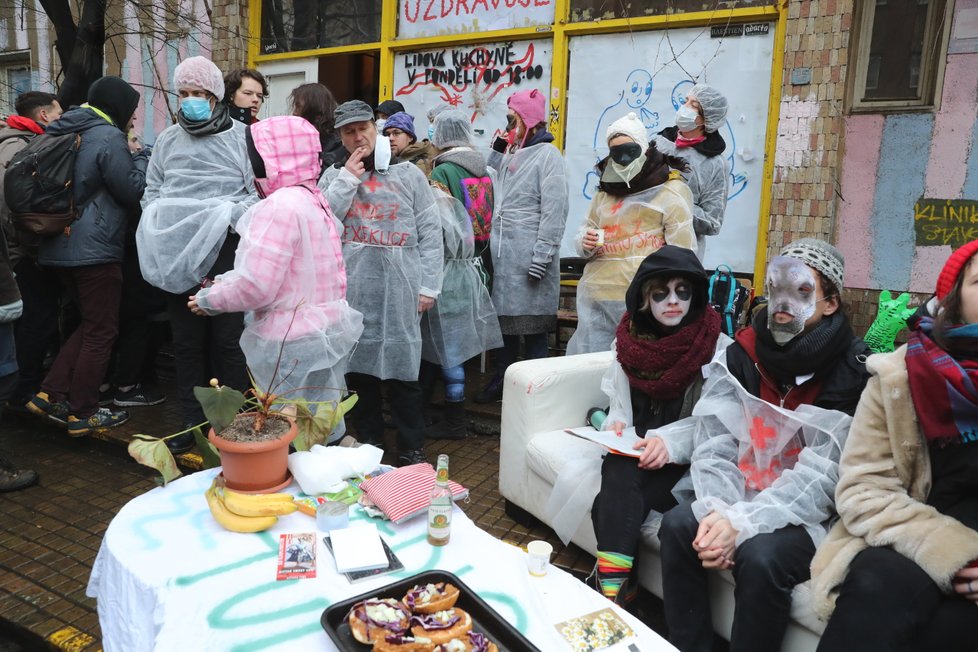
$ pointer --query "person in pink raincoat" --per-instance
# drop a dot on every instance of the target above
(288, 276)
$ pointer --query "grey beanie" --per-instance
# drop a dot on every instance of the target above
(819, 255)
(452, 129)
(352, 111)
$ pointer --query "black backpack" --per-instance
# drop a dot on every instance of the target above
(37, 185)
(729, 297)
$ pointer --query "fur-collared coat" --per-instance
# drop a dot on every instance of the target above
(885, 478)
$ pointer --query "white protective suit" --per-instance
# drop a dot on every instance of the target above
(579, 481)
(462, 323)
(392, 246)
(531, 211)
(289, 277)
(709, 181)
(760, 466)
(634, 227)
(197, 187)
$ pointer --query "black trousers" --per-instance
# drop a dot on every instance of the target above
(405, 404)
(37, 328)
(766, 569)
(136, 345)
(888, 603)
(627, 495)
(206, 347)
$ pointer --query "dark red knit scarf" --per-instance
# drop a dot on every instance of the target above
(943, 388)
(663, 367)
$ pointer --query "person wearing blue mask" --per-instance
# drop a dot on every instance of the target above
(198, 184)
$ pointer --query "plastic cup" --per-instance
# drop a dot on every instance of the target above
(332, 515)
(600, 242)
(538, 557)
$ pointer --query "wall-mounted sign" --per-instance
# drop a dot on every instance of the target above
(940, 222)
(417, 18)
(753, 29)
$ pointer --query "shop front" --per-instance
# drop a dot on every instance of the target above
(595, 60)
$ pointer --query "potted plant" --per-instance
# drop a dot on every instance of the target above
(249, 435)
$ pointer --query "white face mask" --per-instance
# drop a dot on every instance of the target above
(686, 118)
(382, 154)
(380, 125)
(791, 291)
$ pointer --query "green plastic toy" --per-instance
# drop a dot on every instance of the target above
(891, 318)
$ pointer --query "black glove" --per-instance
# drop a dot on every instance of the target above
(500, 144)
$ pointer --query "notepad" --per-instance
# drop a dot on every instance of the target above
(358, 547)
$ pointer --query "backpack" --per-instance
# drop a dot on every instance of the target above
(728, 296)
(37, 185)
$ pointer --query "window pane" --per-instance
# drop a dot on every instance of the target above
(18, 80)
(896, 51)
(289, 25)
(584, 10)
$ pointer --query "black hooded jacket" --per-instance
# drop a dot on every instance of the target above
(669, 261)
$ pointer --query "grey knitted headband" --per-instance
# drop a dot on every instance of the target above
(819, 255)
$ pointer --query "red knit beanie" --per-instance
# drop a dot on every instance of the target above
(953, 268)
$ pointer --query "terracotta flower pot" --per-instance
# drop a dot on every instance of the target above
(255, 466)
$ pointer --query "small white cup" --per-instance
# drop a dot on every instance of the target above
(600, 242)
(538, 557)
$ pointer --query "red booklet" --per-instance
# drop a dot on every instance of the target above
(296, 556)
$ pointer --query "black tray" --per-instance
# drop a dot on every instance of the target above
(484, 618)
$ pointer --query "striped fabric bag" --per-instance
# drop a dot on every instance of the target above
(404, 493)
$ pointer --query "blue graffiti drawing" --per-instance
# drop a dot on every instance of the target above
(737, 181)
(635, 93)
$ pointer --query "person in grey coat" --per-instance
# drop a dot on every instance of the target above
(108, 181)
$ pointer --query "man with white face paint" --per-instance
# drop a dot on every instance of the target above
(761, 487)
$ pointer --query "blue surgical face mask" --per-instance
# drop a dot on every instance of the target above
(431, 131)
(195, 109)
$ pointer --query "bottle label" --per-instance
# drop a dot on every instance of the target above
(442, 475)
(439, 521)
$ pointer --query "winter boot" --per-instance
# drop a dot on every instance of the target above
(12, 478)
(492, 393)
(454, 426)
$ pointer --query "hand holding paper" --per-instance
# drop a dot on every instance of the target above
(623, 443)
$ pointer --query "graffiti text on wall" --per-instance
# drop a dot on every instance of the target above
(940, 222)
(434, 10)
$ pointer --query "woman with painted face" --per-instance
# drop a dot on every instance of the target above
(665, 337)
(531, 211)
(245, 91)
(763, 447)
(899, 571)
(198, 184)
(696, 139)
(640, 206)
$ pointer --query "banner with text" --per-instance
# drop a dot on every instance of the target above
(417, 18)
(476, 79)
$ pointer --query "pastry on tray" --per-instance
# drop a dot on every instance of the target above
(471, 642)
(431, 598)
(374, 619)
(442, 626)
(404, 642)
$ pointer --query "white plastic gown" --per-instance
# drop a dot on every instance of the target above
(462, 323)
(197, 187)
(528, 225)
(760, 466)
(634, 227)
(579, 480)
(289, 276)
(392, 246)
(709, 181)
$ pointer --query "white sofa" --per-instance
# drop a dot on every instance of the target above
(540, 399)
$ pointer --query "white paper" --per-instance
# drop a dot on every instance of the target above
(357, 548)
(609, 439)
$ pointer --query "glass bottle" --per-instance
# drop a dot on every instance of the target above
(440, 506)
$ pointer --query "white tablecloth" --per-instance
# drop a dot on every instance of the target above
(168, 577)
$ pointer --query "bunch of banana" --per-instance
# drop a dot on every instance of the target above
(239, 512)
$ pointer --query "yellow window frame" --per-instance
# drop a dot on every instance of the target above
(561, 30)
